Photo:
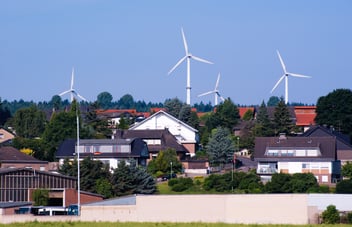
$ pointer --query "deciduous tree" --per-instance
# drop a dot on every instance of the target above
(29, 122)
(335, 110)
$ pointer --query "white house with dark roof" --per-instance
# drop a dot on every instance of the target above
(108, 151)
(185, 134)
(316, 155)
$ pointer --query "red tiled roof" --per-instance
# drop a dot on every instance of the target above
(157, 109)
(305, 115)
(243, 110)
(131, 111)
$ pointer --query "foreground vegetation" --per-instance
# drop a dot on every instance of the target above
(146, 224)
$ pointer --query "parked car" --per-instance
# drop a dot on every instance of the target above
(168, 176)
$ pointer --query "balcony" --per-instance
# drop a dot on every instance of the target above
(266, 170)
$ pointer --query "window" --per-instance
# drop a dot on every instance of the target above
(325, 179)
(2, 136)
(123, 149)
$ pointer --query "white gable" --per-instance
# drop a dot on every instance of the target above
(161, 120)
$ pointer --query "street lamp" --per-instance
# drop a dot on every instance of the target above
(78, 168)
(170, 170)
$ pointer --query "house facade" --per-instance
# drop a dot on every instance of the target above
(185, 134)
(316, 155)
(108, 151)
(156, 140)
(5, 136)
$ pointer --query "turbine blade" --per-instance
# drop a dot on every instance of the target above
(217, 82)
(222, 98)
(81, 97)
(177, 64)
(72, 77)
(206, 93)
(65, 92)
(184, 41)
(201, 59)
(277, 83)
(298, 75)
(282, 62)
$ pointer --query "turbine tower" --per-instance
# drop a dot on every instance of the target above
(286, 75)
(215, 92)
(188, 57)
(72, 91)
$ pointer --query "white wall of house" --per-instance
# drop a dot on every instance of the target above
(299, 167)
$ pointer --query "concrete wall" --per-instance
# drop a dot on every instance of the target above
(245, 209)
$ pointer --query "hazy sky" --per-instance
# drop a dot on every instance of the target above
(128, 47)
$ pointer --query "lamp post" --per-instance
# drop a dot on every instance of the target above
(170, 170)
(78, 168)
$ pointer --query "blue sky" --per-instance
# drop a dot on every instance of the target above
(128, 47)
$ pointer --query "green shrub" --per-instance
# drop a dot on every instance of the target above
(349, 217)
(180, 184)
(344, 187)
(331, 215)
(172, 182)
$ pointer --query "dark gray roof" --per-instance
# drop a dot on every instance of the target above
(167, 139)
(342, 140)
(11, 154)
(327, 146)
(14, 204)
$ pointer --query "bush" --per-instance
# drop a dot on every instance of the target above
(344, 187)
(180, 184)
(349, 217)
(331, 215)
(172, 182)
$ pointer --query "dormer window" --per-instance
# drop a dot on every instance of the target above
(293, 152)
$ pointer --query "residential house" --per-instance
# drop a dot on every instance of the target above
(283, 154)
(156, 139)
(10, 157)
(113, 116)
(185, 134)
(343, 143)
(109, 151)
(5, 136)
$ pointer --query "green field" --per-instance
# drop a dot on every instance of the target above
(145, 224)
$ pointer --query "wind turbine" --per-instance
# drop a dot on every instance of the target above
(72, 91)
(188, 56)
(215, 92)
(286, 75)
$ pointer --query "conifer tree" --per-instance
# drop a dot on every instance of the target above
(282, 121)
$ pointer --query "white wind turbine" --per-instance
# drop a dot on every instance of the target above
(72, 91)
(215, 92)
(286, 75)
(188, 56)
